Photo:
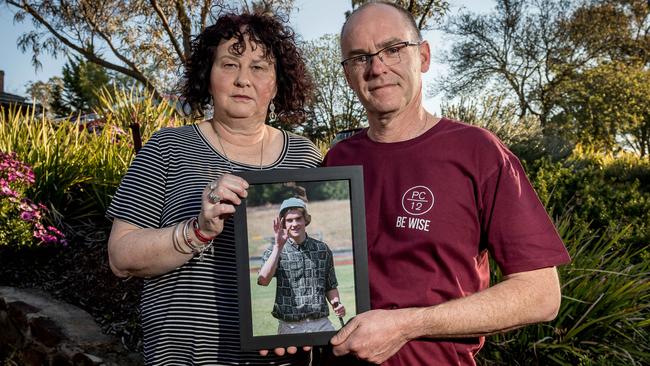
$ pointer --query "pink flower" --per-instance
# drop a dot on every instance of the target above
(49, 239)
(16, 172)
(5, 190)
(40, 230)
(25, 204)
(54, 230)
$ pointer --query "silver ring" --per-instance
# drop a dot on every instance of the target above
(213, 197)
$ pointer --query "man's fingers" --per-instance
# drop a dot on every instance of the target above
(264, 352)
(306, 348)
(279, 351)
(344, 333)
(292, 350)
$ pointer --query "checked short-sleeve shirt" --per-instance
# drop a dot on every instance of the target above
(304, 275)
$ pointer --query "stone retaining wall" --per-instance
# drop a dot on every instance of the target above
(37, 330)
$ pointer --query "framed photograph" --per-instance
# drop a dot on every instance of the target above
(301, 255)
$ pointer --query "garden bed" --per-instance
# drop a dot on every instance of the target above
(78, 274)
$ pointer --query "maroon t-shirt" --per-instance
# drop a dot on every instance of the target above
(436, 206)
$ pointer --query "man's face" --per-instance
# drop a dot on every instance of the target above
(384, 89)
(294, 222)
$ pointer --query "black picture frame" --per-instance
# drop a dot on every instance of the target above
(256, 329)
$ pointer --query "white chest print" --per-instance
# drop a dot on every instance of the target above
(416, 201)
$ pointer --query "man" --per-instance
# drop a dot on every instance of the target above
(440, 195)
(305, 273)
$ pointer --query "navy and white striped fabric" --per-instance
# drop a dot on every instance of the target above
(190, 315)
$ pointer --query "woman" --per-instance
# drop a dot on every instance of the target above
(171, 211)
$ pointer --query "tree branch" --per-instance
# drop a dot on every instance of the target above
(205, 10)
(168, 30)
(186, 28)
(89, 55)
(425, 12)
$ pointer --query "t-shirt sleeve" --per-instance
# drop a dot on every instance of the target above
(265, 257)
(140, 197)
(517, 230)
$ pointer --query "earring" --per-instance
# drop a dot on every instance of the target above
(208, 110)
(272, 115)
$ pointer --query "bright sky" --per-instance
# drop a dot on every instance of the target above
(312, 20)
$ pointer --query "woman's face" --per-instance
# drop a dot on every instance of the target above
(242, 86)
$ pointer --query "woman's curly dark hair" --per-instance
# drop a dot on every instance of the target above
(293, 82)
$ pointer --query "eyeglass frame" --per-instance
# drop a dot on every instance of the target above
(371, 55)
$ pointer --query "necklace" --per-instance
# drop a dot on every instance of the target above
(232, 169)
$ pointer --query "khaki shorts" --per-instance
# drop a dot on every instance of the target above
(305, 326)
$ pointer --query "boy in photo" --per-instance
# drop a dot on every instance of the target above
(304, 269)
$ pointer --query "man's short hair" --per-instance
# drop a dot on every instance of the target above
(410, 20)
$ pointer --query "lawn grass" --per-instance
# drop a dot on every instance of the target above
(262, 299)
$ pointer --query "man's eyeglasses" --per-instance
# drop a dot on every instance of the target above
(388, 55)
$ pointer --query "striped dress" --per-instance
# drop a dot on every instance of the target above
(190, 315)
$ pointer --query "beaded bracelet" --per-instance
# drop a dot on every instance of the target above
(197, 231)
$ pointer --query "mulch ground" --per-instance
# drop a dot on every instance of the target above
(79, 274)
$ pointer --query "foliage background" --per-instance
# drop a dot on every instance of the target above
(563, 83)
(600, 201)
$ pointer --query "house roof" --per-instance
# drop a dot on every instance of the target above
(7, 98)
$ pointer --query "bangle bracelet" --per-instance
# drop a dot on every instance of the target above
(182, 229)
(197, 232)
(196, 249)
(188, 241)
(175, 242)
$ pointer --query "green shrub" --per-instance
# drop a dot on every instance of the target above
(123, 108)
(79, 171)
(76, 170)
(603, 319)
(601, 191)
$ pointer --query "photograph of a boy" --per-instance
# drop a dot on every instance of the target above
(304, 270)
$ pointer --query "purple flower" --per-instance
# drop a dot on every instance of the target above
(27, 216)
